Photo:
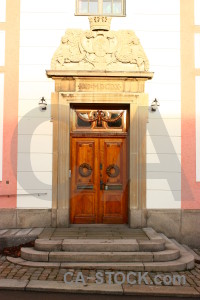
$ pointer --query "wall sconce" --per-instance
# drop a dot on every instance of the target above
(154, 105)
(43, 104)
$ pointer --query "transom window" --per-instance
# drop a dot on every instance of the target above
(100, 7)
(98, 120)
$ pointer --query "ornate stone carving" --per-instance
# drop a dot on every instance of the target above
(100, 50)
(100, 23)
(98, 116)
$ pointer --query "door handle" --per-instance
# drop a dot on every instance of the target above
(84, 187)
(103, 185)
(114, 187)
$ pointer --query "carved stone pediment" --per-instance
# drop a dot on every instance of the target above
(100, 49)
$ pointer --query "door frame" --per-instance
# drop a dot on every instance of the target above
(61, 101)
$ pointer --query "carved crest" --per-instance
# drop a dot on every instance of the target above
(100, 49)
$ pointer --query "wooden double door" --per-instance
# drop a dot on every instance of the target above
(99, 180)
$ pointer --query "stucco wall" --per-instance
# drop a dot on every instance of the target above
(157, 24)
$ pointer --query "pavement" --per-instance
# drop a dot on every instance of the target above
(14, 277)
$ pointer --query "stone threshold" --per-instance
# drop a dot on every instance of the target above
(98, 245)
(92, 288)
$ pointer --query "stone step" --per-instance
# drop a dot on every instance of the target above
(185, 262)
(100, 257)
(196, 256)
(64, 256)
(99, 245)
(167, 255)
(34, 255)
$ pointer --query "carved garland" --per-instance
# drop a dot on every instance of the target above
(85, 170)
(109, 171)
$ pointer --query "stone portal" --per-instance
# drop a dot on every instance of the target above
(104, 68)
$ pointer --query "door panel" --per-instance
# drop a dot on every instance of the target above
(84, 208)
(114, 173)
(85, 164)
(99, 180)
(84, 180)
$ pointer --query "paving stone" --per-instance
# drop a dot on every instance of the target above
(198, 289)
(177, 291)
(190, 281)
(10, 232)
(35, 232)
(2, 231)
(48, 286)
(46, 233)
(13, 284)
(23, 232)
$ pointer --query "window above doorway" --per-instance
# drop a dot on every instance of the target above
(99, 119)
(114, 8)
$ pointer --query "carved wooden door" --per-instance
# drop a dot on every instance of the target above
(99, 186)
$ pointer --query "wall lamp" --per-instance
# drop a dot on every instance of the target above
(42, 104)
(154, 105)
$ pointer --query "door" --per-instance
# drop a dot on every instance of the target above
(99, 185)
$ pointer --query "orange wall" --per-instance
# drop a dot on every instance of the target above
(190, 189)
(11, 71)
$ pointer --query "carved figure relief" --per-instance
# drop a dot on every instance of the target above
(100, 49)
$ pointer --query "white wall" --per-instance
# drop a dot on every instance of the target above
(156, 23)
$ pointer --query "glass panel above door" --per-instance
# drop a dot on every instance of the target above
(99, 120)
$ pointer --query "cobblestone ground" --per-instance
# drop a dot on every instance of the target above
(12, 271)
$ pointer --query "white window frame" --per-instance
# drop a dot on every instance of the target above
(100, 10)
